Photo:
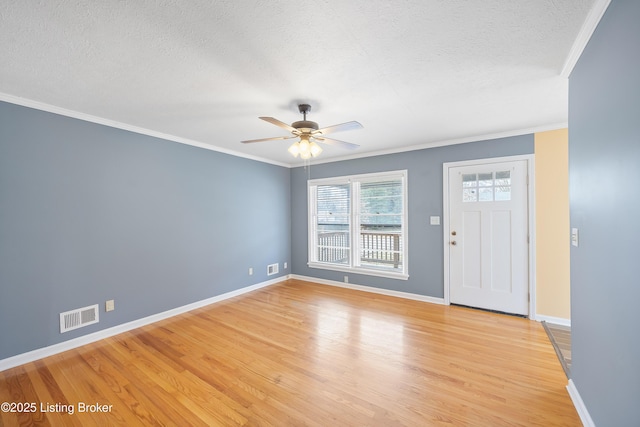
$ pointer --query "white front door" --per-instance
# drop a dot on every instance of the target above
(487, 236)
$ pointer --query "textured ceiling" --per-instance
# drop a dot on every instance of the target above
(413, 72)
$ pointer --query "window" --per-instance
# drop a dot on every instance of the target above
(358, 224)
(486, 187)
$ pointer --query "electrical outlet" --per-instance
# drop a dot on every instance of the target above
(285, 265)
(346, 279)
(250, 271)
(109, 305)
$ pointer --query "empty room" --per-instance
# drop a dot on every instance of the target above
(380, 213)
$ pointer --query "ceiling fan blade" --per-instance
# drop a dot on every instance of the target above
(339, 128)
(267, 139)
(331, 141)
(279, 123)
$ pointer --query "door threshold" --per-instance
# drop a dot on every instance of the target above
(560, 337)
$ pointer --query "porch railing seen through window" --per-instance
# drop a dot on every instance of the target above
(380, 246)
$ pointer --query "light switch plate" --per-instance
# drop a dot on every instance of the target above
(574, 237)
(434, 220)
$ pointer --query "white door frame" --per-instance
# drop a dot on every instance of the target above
(530, 159)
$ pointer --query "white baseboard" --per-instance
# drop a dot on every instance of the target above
(555, 320)
(21, 359)
(406, 295)
(579, 404)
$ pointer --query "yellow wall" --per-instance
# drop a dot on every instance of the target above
(552, 224)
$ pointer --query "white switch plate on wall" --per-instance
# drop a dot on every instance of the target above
(434, 220)
(574, 237)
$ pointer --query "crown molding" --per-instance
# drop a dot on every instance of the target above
(588, 27)
(466, 139)
(37, 105)
(25, 102)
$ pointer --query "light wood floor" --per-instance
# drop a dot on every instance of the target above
(298, 353)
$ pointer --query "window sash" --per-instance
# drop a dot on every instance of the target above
(333, 223)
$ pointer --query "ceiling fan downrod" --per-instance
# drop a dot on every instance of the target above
(304, 109)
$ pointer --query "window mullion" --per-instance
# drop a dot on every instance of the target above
(355, 224)
(313, 223)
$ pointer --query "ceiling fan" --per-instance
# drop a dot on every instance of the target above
(309, 133)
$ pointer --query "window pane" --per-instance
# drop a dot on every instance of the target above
(469, 180)
(333, 204)
(485, 179)
(334, 210)
(503, 178)
(381, 224)
(381, 198)
(486, 194)
(333, 254)
(503, 193)
(469, 195)
(381, 248)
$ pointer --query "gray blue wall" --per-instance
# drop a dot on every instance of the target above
(604, 172)
(426, 259)
(90, 213)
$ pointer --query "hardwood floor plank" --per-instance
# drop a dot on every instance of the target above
(47, 392)
(144, 367)
(300, 353)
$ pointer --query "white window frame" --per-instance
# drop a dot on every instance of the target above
(354, 265)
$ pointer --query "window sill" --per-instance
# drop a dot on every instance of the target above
(355, 270)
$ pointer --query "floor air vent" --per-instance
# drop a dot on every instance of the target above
(272, 269)
(74, 319)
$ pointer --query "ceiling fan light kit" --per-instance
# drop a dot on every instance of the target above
(304, 148)
(310, 134)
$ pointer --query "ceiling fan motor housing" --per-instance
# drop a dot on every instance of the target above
(305, 125)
